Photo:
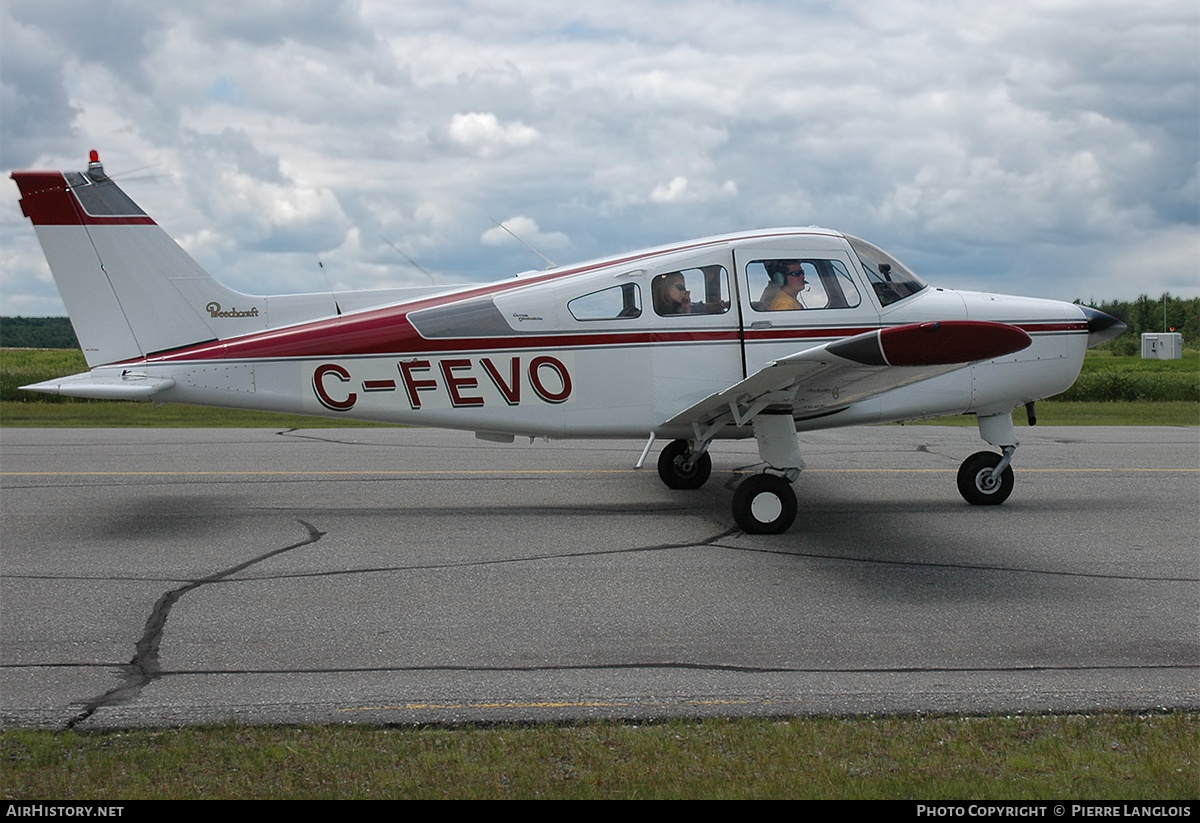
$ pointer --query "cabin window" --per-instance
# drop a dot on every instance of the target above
(621, 302)
(703, 290)
(793, 284)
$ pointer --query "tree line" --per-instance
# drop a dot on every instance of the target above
(1147, 316)
(37, 333)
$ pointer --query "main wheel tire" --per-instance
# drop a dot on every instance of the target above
(670, 466)
(975, 483)
(764, 504)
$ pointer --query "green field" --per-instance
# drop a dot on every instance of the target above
(1107, 756)
(1107, 377)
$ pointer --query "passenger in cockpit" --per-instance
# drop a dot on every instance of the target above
(671, 295)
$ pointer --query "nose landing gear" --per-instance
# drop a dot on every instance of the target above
(983, 481)
(985, 478)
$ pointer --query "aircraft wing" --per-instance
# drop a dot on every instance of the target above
(828, 378)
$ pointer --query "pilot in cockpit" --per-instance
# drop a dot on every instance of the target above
(787, 281)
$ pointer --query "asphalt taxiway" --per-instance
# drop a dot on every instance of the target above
(164, 577)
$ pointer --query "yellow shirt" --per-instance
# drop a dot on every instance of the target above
(785, 302)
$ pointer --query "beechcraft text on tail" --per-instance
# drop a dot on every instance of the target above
(758, 334)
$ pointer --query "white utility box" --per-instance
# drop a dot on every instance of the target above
(1166, 346)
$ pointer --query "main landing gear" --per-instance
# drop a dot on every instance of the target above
(763, 503)
(680, 468)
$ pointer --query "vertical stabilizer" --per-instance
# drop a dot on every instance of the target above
(129, 288)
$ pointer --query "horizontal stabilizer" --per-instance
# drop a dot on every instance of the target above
(106, 384)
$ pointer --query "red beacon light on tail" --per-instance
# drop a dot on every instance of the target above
(95, 169)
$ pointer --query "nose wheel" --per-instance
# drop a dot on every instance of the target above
(980, 484)
(764, 504)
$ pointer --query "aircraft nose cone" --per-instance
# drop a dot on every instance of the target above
(1101, 326)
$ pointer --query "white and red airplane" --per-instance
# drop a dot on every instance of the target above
(758, 334)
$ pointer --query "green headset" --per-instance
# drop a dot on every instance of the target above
(776, 270)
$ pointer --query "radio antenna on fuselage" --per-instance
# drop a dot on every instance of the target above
(337, 307)
(550, 264)
(409, 259)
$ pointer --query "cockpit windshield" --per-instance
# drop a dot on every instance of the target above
(890, 278)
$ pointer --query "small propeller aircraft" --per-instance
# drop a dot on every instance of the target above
(758, 334)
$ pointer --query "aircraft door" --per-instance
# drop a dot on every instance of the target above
(795, 299)
(695, 346)
(653, 341)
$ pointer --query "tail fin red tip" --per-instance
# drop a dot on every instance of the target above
(54, 198)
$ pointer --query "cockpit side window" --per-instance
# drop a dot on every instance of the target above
(623, 302)
(891, 279)
(802, 283)
(703, 290)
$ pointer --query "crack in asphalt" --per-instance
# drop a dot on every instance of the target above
(144, 668)
(528, 558)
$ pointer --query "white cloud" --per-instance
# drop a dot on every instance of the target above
(670, 192)
(681, 189)
(482, 133)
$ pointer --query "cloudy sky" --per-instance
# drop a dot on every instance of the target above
(1048, 148)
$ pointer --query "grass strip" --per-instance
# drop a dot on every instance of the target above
(1110, 756)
